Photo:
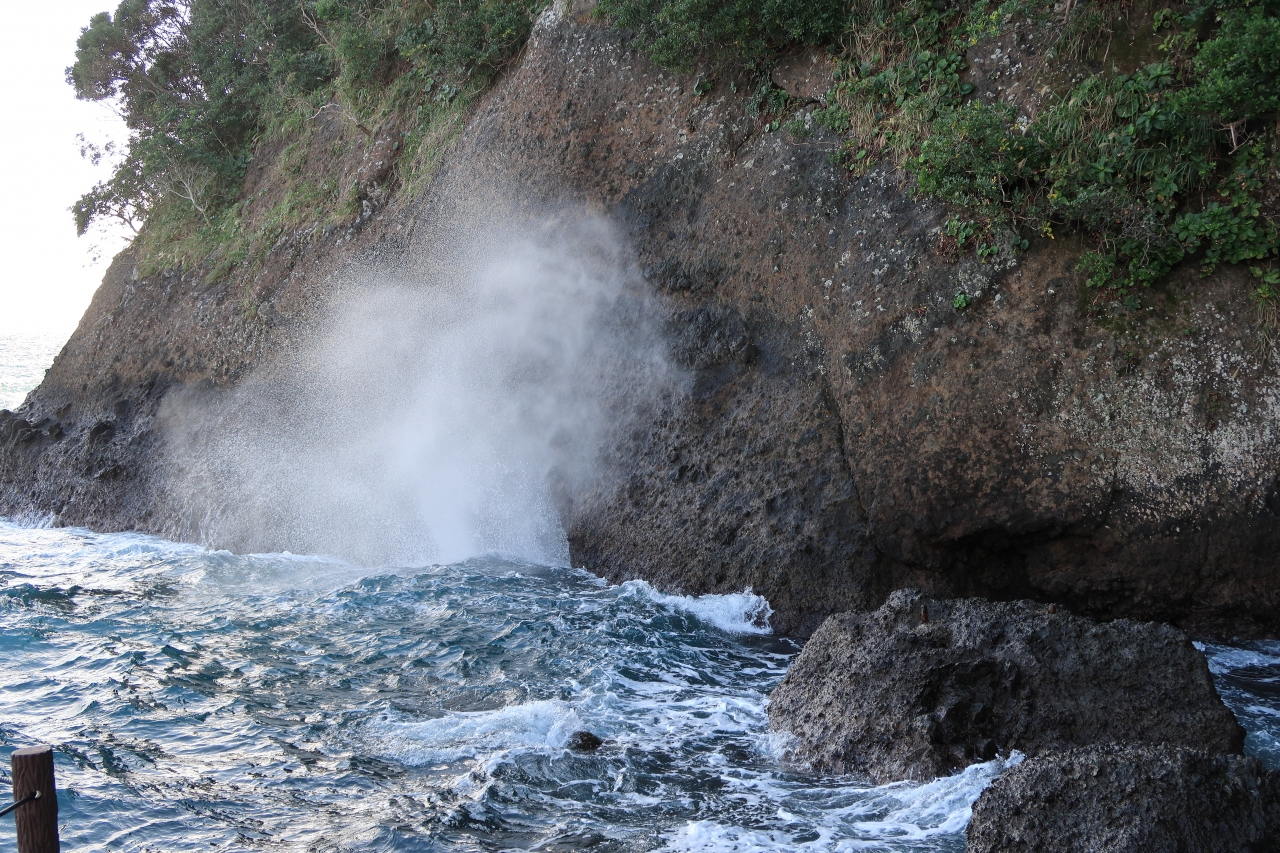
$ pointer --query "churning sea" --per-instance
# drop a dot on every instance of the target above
(204, 700)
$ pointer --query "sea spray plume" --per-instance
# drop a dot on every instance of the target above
(423, 418)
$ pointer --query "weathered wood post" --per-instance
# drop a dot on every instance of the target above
(37, 819)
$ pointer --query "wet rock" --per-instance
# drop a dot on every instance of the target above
(1130, 799)
(583, 741)
(891, 696)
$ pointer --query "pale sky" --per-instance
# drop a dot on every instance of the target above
(48, 274)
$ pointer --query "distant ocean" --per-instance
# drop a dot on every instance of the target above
(23, 360)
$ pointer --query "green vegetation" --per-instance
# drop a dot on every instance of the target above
(1155, 165)
(1156, 138)
(204, 85)
(1154, 134)
(678, 31)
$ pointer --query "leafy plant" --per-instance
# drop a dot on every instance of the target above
(1154, 166)
(675, 32)
(201, 84)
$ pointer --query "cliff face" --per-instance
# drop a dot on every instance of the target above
(847, 430)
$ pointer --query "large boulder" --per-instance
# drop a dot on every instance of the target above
(1130, 799)
(889, 695)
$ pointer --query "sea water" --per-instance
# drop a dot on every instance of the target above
(204, 700)
(23, 361)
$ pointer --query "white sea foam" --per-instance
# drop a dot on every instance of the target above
(461, 735)
(824, 818)
(737, 613)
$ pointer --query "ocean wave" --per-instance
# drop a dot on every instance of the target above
(735, 613)
(835, 817)
(461, 735)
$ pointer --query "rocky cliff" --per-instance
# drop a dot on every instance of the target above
(846, 431)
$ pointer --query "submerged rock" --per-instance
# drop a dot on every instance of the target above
(583, 741)
(891, 695)
(1130, 799)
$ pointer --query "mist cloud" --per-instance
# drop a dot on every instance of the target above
(422, 419)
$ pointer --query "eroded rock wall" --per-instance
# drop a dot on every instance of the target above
(846, 430)
(923, 687)
(1126, 799)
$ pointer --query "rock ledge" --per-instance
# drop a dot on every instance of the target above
(890, 697)
(1130, 799)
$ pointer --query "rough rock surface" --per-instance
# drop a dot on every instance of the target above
(846, 431)
(1130, 799)
(888, 696)
(849, 431)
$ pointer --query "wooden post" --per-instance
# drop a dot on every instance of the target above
(37, 820)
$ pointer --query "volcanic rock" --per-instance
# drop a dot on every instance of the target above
(583, 741)
(1130, 799)
(891, 696)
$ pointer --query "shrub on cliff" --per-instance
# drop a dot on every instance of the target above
(676, 31)
(201, 82)
(1166, 162)
(1175, 158)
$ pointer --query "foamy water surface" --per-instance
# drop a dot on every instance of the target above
(205, 700)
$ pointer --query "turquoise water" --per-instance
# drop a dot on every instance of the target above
(202, 700)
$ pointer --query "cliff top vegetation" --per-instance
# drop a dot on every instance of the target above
(202, 84)
(1150, 129)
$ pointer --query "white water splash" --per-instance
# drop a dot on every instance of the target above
(461, 735)
(833, 819)
(736, 613)
(425, 418)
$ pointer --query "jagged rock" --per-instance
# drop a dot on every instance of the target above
(890, 696)
(1130, 799)
(583, 741)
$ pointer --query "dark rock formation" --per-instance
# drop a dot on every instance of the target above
(846, 430)
(849, 431)
(890, 696)
(1130, 799)
(583, 741)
